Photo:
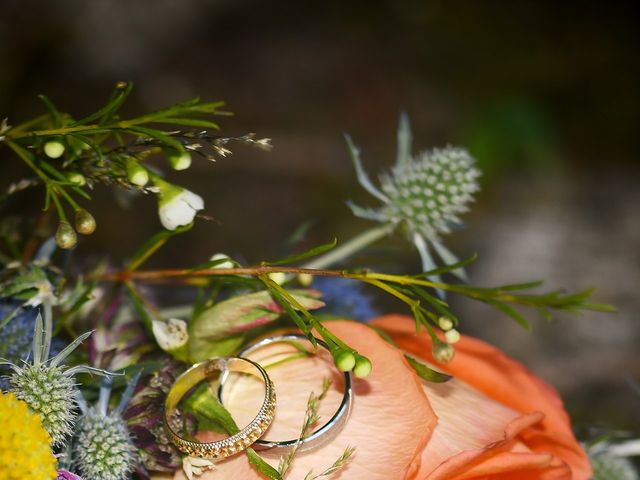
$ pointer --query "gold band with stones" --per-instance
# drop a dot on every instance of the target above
(236, 442)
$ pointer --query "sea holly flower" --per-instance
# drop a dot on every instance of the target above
(103, 448)
(424, 193)
(25, 450)
(46, 385)
(177, 206)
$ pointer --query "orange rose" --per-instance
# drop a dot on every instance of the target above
(493, 421)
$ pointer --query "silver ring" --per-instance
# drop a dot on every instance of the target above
(315, 439)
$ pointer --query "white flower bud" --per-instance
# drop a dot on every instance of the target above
(305, 279)
(278, 277)
(445, 323)
(452, 336)
(178, 206)
(170, 335)
(180, 160)
(222, 256)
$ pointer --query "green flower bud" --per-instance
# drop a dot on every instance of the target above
(77, 178)
(136, 173)
(54, 148)
(443, 352)
(363, 367)
(345, 360)
(66, 235)
(452, 336)
(445, 323)
(180, 160)
(305, 279)
(85, 223)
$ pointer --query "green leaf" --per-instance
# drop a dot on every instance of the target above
(448, 268)
(427, 373)
(192, 122)
(228, 320)
(262, 466)
(309, 253)
(164, 138)
(55, 114)
(512, 312)
(118, 97)
(153, 244)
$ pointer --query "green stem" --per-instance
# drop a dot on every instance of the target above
(347, 249)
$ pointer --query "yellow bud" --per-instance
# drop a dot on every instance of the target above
(77, 178)
(278, 277)
(345, 360)
(136, 173)
(66, 235)
(54, 148)
(445, 323)
(452, 336)
(180, 160)
(305, 279)
(85, 223)
(363, 367)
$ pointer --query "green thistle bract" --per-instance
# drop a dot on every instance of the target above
(103, 449)
(46, 386)
(425, 194)
(49, 393)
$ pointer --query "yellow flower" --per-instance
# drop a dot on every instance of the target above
(25, 450)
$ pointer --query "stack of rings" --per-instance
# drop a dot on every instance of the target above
(250, 434)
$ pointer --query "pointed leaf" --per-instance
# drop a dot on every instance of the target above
(65, 352)
(312, 252)
(426, 373)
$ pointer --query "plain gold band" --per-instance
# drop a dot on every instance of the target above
(236, 442)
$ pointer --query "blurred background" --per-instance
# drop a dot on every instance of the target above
(544, 94)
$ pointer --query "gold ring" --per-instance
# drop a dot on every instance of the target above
(237, 442)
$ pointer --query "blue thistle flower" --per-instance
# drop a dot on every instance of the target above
(345, 298)
(103, 448)
(424, 193)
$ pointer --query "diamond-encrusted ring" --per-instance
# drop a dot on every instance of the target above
(322, 434)
(237, 442)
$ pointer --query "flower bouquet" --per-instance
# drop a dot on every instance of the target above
(270, 369)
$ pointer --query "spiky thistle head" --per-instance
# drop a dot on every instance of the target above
(47, 386)
(424, 193)
(606, 467)
(49, 393)
(103, 449)
(430, 191)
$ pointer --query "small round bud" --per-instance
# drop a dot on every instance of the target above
(220, 257)
(85, 223)
(54, 148)
(345, 360)
(136, 173)
(443, 352)
(77, 179)
(66, 235)
(278, 277)
(305, 279)
(452, 336)
(180, 160)
(445, 323)
(363, 367)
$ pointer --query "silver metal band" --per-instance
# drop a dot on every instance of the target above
(324, 432)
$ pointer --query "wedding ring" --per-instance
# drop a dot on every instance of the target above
(235, 443)
(324, 432)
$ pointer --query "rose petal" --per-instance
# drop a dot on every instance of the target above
(390, 423)
(508, 382)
